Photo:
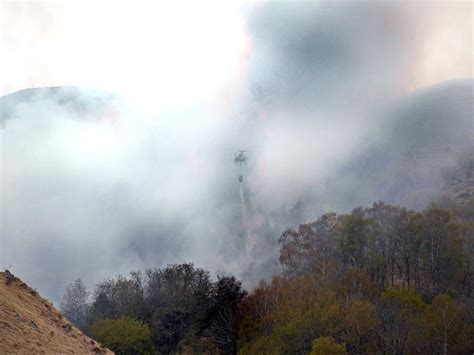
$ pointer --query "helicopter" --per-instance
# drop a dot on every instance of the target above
(240, 159)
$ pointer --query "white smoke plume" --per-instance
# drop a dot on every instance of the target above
(333, 100)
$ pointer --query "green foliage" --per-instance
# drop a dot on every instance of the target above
(124, 335)
(447, 326)
(403, 300)
(353, 238)
(184, 310)
(327, 346)
(400, 311)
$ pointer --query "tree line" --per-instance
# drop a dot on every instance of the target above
(175, 309)
(382, 279)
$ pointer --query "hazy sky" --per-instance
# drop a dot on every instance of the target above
(168, 51)
(315, 91)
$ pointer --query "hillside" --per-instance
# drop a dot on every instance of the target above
(421, 150)
(459, 187)
(30, 324)
(76, 101)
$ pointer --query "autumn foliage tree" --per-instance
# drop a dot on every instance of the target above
(373, 281)
(446, 326)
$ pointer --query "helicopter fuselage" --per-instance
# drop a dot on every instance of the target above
(240, 158)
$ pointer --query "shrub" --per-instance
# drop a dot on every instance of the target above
(124, 335)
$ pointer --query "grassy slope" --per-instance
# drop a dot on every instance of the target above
(30, 324)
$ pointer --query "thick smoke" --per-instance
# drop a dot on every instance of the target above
(91, 187)
(92, 192)
(323, 80)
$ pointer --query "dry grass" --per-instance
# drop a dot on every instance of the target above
(30, 324)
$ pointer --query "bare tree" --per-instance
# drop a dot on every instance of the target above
(74, 305)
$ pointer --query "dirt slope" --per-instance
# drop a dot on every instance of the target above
(30, 324)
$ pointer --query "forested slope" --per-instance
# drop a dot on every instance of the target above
(383, 279)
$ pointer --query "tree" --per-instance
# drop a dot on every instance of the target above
(409, 248)
(311, 248)
(383, 241)
(74, 305)
(178, 300)
(327, 346)
(467, 285)
(447, 326)
(353, 239)
(124, 335)
(174, 301)
(224, 317)
(287, 315)
(355, 285)
(119, 297)
(360, 328)
(400, 312)
(439, 266)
